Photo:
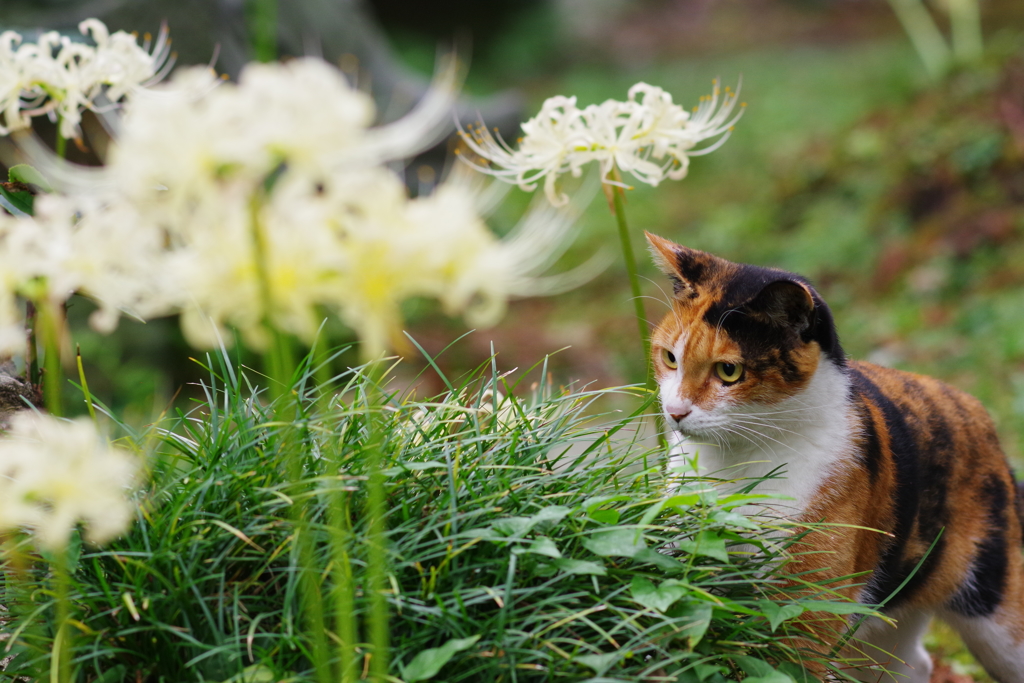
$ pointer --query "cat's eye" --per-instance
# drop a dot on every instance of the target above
(669, 358)
(729, 372)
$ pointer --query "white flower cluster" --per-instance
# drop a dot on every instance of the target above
(647, 136)
(61, 77)
(264, 204)
(68, 248)
(55, 474)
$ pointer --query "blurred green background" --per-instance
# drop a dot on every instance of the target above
(900, 196)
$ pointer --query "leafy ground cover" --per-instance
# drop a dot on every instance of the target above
(529, 539)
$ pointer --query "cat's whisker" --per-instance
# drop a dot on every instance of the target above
(749, 438)
(767, 425)
(667, 299)
(763, 435)
(807, 408)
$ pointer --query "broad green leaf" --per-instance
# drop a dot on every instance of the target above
(542, 546)
(701, 672)
(773, 677)
(600, 663)
(706, 670)
(256, 673)
(693, 618)
(552, 514)
(733, 519)
(16, 202)
(428, 663)
(485, 533)
(779, 613)
(591, 504)
(580, 567)
(798, 673)
(520, 526)
(761, 671)
(116, 674)
(658, 598)
(616, 543)
(513, 526)
(23, 173)
(753, 666)
(707, 543)
(659, 560)
(680, 503)
(605, 516)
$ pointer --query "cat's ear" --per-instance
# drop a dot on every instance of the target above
(678, 262)
(784, 303)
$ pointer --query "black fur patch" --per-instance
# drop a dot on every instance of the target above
(692, 266)
(912, 477)
(743, 287)
(983, 591)
(872, 459)
(679, 288)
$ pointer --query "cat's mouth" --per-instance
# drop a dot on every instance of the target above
(684, 428)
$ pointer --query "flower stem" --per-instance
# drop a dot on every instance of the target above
(50, 323)
(339, 520)
(32, 352)
(60, 662)
(279, 365)
(619, 209)
(344, 594)
(263, 28)
(376, 541)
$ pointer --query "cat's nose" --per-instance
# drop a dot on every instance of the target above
(678, 409)
(678, 417)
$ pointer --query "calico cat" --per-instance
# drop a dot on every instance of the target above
(749, 361)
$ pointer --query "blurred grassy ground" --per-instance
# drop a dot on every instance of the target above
(902, 201)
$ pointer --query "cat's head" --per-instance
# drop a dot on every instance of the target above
(738, 340)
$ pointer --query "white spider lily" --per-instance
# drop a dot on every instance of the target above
(647, 136)
(62, 78)
(15, 80)
(55, 474)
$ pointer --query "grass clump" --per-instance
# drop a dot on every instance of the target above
(528, 539)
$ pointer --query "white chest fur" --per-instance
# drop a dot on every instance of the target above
(803, 439)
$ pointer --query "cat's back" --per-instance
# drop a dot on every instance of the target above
(939, 485)
(925, 418)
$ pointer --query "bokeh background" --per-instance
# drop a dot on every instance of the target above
(901, 196)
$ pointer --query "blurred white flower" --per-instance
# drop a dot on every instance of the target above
(186, 144)
(72, 245)
(648, 136)
(55, 474)
(267, 203)
(101, 250)
(62, 78)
